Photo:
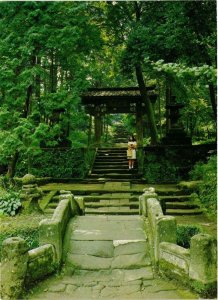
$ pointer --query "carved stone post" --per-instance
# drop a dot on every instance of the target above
(203, 258)
(14, 267)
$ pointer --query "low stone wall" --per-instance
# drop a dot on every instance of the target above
(51, 231)
(195, 266)
(21, 267)
(174, 258)
(41, 262)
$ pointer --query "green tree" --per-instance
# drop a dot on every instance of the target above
(43, 71)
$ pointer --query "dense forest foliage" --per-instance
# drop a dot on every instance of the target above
(50, 52)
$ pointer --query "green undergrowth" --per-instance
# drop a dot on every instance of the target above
(206, 190)
(161, 168)
(56, 163)
(184, 233)
(24, 226)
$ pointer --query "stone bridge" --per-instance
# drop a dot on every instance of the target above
(109, 257)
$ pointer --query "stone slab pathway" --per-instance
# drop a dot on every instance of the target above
(101, 285)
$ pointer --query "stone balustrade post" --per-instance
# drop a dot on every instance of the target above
(203, 263)
(14, 267)
(147, 193)
(165, 232)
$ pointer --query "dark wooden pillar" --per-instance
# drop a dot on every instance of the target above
(98, 128)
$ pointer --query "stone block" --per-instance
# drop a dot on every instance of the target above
(174, 259)
(203, 258)
(28, 179)
(13, 268)
(141, 273)
(88, 262)
(154, 211)
(62, 192)
(96, 248)
(131, 247)
(148, 193)
(50, 233)
(41, 262)
(131, 261)
(81, 204)
(165, 232)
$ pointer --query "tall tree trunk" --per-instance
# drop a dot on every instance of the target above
(90, 130)
(38, 81)
(168, 99)
(148, 105)
(12, 165)
(142, 87)
(53, 74)
(213, 100)
(159, 107)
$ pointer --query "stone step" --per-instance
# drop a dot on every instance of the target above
(111, 204)
(121, 196)
(114, 163)
(110, 156)
(115, 151)
(107, 243)
(114, 176)
(111, 167)
(49, 211)
(111, 211)
(111, 160)
(52, 205)
(114, 171)
(176, 198)
(176, 212)
(111, 149)
(181, 205)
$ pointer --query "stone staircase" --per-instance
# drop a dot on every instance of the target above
(113, 249)
(117, 198)
(112, 164)
(121, 135)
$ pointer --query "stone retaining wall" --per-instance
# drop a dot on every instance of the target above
(195, 266)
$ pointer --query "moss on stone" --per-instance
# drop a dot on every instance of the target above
(28, 179)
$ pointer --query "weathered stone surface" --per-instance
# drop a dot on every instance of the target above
(132, 261)
(97, 234)
(165, 232)
(89, 262)
(62, 192)
(57, 288)
(153, 211)
(203, 258)
(148, 193)
(131, 247)
(28, 179)
(41, 262)
(13, 268)
(142, 273)
(174, 259)
(29, 186)
(96, 248)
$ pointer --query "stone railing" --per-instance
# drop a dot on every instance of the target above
(195, 266)
(21, 267)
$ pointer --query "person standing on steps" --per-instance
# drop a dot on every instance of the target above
(131, 151)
